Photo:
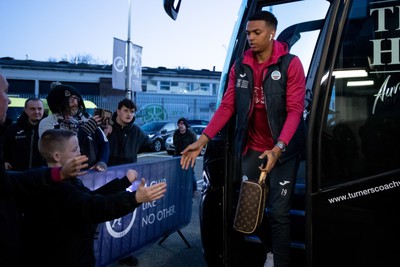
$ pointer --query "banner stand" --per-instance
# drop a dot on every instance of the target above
(180, 234)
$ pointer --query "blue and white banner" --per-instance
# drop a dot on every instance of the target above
(136, 67)
(150, 221)
(119, 63)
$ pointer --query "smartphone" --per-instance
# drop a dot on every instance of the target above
(105, 115)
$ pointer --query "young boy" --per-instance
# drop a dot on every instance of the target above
(65, 222)
(17, 188)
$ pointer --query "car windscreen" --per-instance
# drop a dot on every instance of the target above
(152, 126)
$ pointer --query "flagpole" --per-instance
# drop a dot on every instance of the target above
(128, 81)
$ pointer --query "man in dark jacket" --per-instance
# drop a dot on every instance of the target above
(21, 140)
(184, 136)
(126, 138)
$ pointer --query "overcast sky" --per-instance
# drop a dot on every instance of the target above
(43, 29)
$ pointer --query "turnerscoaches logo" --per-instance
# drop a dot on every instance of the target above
(115, 229)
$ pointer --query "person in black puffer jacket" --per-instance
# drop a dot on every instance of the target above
(21, 139)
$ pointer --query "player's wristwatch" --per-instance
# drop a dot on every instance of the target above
(281, 146)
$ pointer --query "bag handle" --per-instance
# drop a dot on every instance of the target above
(263, 175)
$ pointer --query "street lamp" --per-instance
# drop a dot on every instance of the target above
(128, 81)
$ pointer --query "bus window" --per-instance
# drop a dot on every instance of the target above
(300, 31)
(360, 136)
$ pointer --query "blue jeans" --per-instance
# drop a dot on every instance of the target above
(281, 181)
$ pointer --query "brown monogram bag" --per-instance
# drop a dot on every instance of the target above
(251, 205)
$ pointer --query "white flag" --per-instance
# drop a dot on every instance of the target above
(119, 59)
(136, 68)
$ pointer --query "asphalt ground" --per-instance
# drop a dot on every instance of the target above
(173, 251)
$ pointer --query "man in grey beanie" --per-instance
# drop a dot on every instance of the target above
(69, 112)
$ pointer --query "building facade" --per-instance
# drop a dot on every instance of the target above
(165, 95)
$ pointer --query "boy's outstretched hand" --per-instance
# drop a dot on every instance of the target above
(132, 175)
(151, 193)
(73, 167)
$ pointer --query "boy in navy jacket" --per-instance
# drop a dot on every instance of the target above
(69, 213)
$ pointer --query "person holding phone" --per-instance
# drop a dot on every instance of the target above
(69, 112)
(105, 116)
(106, 122)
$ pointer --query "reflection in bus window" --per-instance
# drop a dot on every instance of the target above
(361, 134)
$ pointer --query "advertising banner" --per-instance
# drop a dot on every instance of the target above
(136, 67)
(150, 221)
(119, 63)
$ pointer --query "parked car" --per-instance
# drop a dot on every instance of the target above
(158, 132)
(198, 129)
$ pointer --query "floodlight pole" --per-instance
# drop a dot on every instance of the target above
(128, 80)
